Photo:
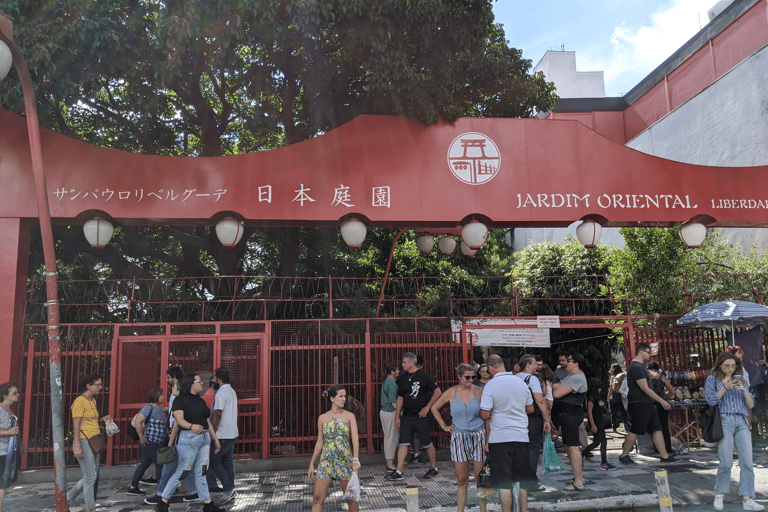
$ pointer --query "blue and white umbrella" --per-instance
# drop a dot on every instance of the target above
(733, 313)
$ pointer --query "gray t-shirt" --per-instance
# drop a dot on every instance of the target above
(577, 382)
(506, 396)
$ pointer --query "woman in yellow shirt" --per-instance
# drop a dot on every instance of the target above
(85, 425)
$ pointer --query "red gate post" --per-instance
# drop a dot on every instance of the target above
(266, 360)
(114, 376)
(629, 353)
(368, 390)
(28, 399)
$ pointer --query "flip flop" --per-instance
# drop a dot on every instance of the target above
(572, 488)
(570, 481)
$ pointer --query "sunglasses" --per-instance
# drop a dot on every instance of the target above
(469, 377)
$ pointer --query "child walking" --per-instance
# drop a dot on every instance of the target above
(596, 425)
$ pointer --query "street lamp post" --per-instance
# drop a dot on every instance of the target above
(51, 281)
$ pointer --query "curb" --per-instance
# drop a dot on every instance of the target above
(610, 503)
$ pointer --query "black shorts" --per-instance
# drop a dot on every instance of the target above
(411, 424)
(645, 418)
(510, 464)
(3, 484)
(570, 421)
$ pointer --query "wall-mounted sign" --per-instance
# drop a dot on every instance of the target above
(548, 322)
(538, 338)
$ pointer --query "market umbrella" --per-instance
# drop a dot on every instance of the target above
(733, 313)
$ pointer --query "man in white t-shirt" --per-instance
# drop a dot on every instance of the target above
(224, 421)
(506, 404)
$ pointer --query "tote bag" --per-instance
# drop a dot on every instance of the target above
(710, 423)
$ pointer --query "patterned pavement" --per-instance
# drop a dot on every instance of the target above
(691, 481)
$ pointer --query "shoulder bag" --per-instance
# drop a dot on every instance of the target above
(710, 423)
(166, 455)
(97, 442)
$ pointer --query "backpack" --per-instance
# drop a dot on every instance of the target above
(132, 432)
(536, 410)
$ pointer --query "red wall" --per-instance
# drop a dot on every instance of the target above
(742, 38)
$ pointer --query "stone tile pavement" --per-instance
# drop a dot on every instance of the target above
(288, 490)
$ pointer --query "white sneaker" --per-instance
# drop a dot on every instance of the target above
(750, 504)
(718, 504)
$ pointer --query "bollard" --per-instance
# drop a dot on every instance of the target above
(412, 499)
(662, 487)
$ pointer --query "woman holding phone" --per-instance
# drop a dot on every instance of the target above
(727, 388)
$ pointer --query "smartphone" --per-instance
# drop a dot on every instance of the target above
(736, 378)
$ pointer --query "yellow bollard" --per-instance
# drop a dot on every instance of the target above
(412, 499)
(662, 487)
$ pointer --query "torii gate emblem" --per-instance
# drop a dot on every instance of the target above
(474, 158)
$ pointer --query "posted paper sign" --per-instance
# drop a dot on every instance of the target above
(538, 338)
(548, 322)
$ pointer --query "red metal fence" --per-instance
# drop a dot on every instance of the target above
(280, 396)
(280, 367)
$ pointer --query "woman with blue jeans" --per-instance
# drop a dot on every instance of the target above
(727, 388)
(192, 417)
(152, 428)
(85, 425)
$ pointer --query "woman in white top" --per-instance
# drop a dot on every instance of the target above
(9, 393)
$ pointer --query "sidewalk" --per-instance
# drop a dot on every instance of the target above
(267, 486)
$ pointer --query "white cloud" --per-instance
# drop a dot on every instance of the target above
(635, 51)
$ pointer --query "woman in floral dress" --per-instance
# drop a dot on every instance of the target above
(337, 447)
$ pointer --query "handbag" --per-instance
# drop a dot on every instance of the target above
(550, 462)
(97, 443)
(12, 459)
(484, 478)
(166, 455)
(710, 423)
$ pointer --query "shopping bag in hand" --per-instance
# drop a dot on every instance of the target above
(484, 478)
(353, 489)
(551, 463)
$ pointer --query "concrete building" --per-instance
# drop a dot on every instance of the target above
(559, 66)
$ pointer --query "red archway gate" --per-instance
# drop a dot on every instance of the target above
(387, 171)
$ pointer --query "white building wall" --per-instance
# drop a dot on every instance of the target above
(560, 67)
(724, 125)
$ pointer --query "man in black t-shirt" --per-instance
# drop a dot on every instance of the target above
(413, 404)
(642, 411)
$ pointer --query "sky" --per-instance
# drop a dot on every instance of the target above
(626, 39)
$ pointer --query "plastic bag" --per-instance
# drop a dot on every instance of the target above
(551, 462)
(484, 478)
(111, 428)
(12, 459)
(353, 489)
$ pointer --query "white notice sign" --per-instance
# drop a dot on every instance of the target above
(538, 338)
(548, 322)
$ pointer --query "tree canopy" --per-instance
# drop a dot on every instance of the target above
(209, 78)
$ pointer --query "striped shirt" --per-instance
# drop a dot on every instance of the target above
(732, 401)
